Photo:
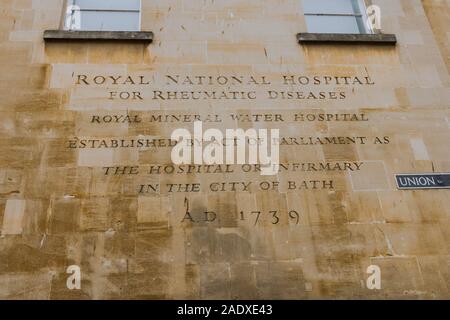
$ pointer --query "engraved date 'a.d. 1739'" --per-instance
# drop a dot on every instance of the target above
(273, 217)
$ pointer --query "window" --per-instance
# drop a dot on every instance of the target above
(336, 16)
(103, 15)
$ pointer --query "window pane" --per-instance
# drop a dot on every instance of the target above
(109, 21)
(362, 25)
(330, 6)
(358, 6)
(334, 24)
(109, 4)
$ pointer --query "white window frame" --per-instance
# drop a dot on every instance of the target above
(363, 15)
(73, 4)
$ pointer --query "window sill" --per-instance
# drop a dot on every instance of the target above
(131, 36)
(321, 38)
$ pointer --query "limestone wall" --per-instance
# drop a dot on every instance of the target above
(74, 190)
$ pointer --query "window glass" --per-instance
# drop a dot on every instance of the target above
(328, 6)
(109, 4)
(103, 15)
(109, 21)
(332, 24)
(335, 16)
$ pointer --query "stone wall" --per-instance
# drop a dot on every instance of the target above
(339, 211)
